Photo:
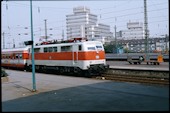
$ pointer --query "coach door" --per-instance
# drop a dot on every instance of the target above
(75, 54)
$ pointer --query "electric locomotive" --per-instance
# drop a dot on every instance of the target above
(75, 56)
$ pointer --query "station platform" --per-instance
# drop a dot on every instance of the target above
(140, 68)
(58, 93)
(164, 66)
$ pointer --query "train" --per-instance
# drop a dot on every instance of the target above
(74, 56)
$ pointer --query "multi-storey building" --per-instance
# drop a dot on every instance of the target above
(138, 45)
(84, 24)
(135, 31)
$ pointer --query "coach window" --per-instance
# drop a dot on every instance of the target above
(20, 56)
(13, 56)
(3, 56)
(16, 56)
(7, 56)
(55, 49)
(50, 49)
(10, 57)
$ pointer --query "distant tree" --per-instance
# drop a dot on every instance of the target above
(126, 50)
(109, 48)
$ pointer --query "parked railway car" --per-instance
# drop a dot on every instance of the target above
(79, 56)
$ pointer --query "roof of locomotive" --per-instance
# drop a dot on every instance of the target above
(51, 45)
(69, 43)
(16, 49)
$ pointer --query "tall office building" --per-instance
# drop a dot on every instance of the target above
(135, 31)
(84, 24)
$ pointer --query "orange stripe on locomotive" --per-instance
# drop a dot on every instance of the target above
(90, 55)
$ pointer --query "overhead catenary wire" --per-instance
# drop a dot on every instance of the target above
(100, 9)
(38, 26)
(100, 19)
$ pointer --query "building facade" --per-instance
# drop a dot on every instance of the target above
(138, 45)
(134, 31)
(84, 24)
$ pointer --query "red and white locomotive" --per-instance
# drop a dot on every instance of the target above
(76, 56)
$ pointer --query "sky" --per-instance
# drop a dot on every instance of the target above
(16, 19)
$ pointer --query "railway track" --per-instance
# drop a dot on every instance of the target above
(137, 79)
(134, 78)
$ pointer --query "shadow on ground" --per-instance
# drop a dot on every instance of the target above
(106, 96)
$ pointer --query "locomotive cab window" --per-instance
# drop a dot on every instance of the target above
(91, 48)
(99, 47)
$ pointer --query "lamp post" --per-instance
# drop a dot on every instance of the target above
(45, 29)
(33, 66)
(115, 40)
